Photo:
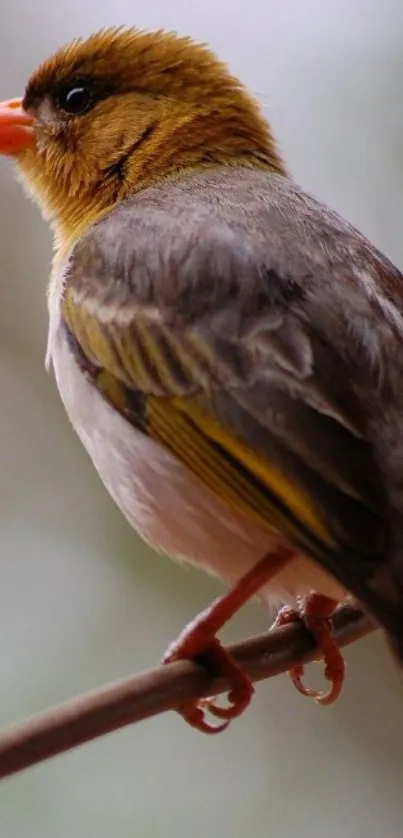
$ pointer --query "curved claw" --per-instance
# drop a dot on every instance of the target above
(194, 715)
(239, 699)
(335, 677)
(296, 674)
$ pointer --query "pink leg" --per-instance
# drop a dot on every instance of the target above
(316, 612)
(199, 641)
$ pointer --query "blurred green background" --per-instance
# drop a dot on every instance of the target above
(82, 601)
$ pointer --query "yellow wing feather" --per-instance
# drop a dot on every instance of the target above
(270, 475)
(131, 357)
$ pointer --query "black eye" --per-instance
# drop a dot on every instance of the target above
(76, 99)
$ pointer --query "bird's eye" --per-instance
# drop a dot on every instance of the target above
(76, 99)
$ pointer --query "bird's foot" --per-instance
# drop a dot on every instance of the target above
(316, 612)
(196, 644)
(199, 642)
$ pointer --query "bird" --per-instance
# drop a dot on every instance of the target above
(227, 347)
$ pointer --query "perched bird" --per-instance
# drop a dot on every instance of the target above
(227, 348)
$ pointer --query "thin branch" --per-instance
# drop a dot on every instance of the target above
(144, 695)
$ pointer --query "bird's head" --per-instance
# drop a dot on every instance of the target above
(108, 115)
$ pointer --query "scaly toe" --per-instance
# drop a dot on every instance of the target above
(213, 657)
(315, 612)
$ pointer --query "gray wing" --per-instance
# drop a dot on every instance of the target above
(246, 336)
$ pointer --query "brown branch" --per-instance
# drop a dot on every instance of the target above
(141, 696)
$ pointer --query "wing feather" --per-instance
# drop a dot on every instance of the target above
(248, 388)
(270, 444)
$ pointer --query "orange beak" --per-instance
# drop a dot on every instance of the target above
(16, 128)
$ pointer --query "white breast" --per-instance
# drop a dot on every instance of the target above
(164, 503)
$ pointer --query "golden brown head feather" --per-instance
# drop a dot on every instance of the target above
(160, 104)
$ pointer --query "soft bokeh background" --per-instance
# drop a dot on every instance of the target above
(82, 601)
